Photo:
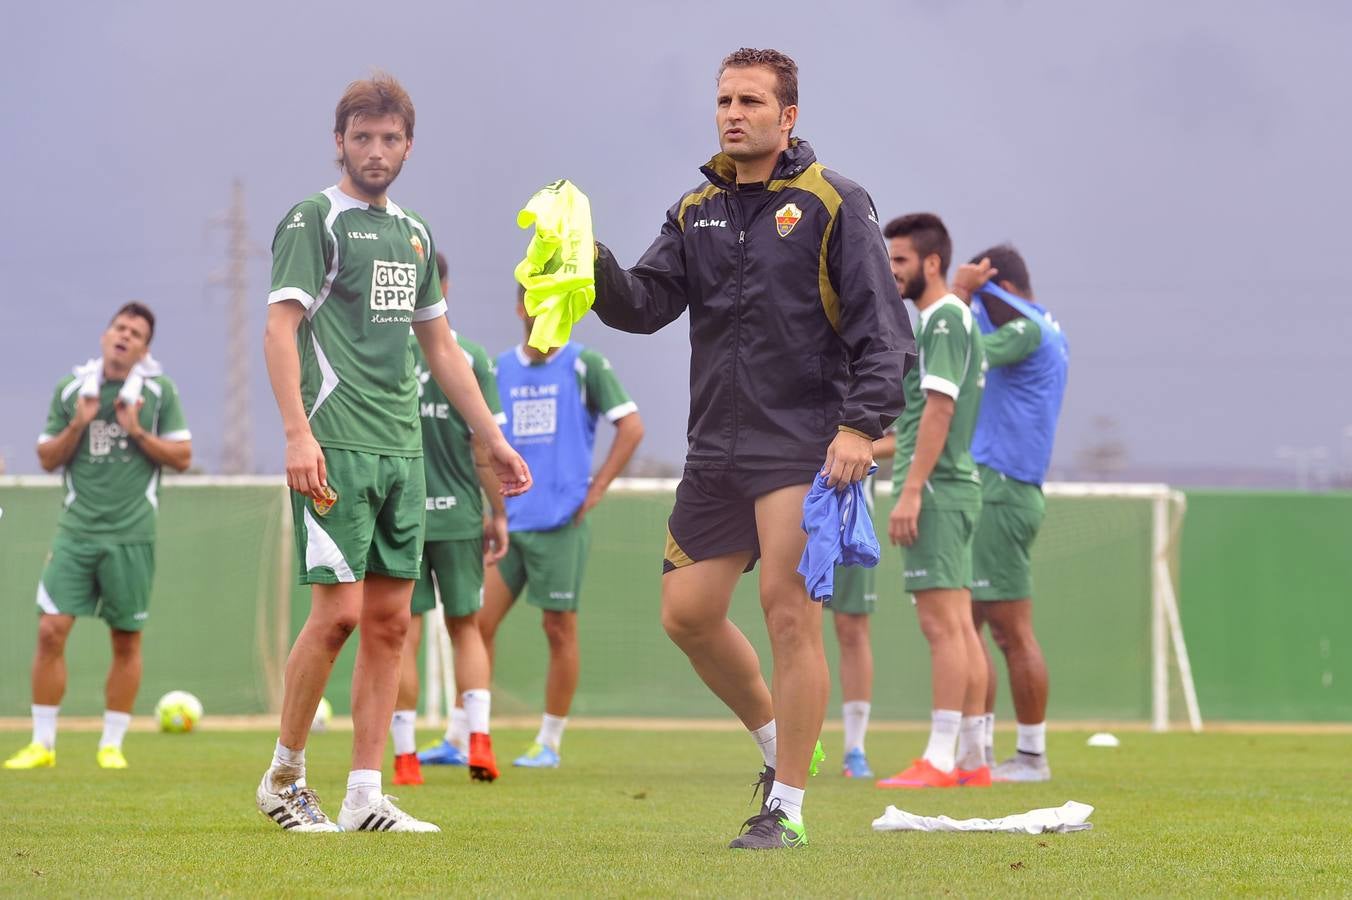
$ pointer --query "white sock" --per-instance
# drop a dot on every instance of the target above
(402, 731)
(457, 730)
(855, 713)
(477, 705)
(790, 801)
(44, 725)
(941, 750)
(114, 728)
(766, 739)
(363, 788)
(1033, 738)
(990, 731)
(972, 742)
(286, 758)
(551, 731)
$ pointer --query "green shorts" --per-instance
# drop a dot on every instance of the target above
(89, 577)
(456, 570)
(375, 526)
(856, 591)
(941, 557)
(549, 563)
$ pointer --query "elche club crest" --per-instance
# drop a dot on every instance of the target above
(418, 247)
(786, 217)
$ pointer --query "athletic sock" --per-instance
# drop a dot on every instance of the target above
(971, 743)
(790, 801)
(990, 731)
(363, 788)
(1033, 738)
(402, 727)
(551, 731)
(941, 750)
(114, 728)
(44, 725)
(457, 730)
(287, 761)
(766, 739)
(477, 705)
(855, 713)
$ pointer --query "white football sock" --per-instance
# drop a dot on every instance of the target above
(990, 730)
(44, 725)
(790, 801)
(402, 726)
(457, 730)
(855, 713)
(477, 706)
(766, 739)
(363, 788)
(286, 758)
(1033, 738)
(114, 728)
(971, 742)
(941, 750)
(551, 731)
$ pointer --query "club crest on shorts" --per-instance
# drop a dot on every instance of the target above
(418, 247)
(787, 217)
(325, 503)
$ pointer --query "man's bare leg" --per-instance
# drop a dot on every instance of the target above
(564, 661)
(335, 610)
(49, 675)
(404, 722)
(498, 600)
(1011, 624)
(946, 622)
(992, 680)
(856, 676)
(375, 677)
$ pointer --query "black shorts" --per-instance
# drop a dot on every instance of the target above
(715, 512)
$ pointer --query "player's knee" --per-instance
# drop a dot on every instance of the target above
(52, 634)
(790, 623)
(944, 629)
(851, 631)
(335, 632)
(686, 621)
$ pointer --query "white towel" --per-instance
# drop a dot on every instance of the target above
(91, 378)
(1059, 820)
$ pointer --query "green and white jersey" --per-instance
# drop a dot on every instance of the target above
(952, 362)
(112, 487)
(1012, 342)
(364, 276)
(455, 507)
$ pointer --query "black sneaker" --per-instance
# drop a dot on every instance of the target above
(769, 830)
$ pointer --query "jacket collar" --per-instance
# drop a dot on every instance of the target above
(722, 172)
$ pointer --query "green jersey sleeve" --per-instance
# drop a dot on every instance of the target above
(58, 416)
(171, 424)
(429, 292)
(301, 255)
(605, 395)
(1012, 342)
(946, 348)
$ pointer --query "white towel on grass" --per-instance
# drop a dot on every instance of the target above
(91, 378)
(1069, 817)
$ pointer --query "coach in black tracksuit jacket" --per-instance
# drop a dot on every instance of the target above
(796, 331)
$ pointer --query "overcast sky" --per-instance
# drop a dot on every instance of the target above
(1176, 174)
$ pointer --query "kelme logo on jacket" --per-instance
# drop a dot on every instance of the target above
(787, 217)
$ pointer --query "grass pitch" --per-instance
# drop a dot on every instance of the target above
(635, 813)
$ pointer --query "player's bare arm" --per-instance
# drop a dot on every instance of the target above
(971, 277)
(628, 434)
(885, 447)
(456, 379)
(55, 453)
(305, 471)
(177, 455)
(932, 433)
(496, 539)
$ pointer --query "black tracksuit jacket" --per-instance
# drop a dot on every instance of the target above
(796, 326)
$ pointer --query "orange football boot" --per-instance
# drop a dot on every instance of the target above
(407, 769)
(482, 765)
(921, 774)
(974, 777)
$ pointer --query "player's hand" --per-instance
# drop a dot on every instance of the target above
(588, 504)
(495, 539)
(129, 417)
(903, 525)
(972, 277)
(86, 409)
(848, 459)
(512, 471)
(305, 470)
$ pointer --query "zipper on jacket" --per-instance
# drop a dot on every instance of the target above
(736, 206)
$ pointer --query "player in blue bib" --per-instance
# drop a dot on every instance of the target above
(1012, 446)
(552, 403)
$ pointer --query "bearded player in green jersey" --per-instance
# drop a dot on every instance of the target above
(113, 425)
(459, 544)
(351, 273)
(938, 500)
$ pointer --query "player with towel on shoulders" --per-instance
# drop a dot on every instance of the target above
(1012, 447)
(114, 423)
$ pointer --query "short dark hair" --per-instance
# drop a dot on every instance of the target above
(785, 69)
(927, 233)
(140, 310)
(1010, 267)
(443, 267)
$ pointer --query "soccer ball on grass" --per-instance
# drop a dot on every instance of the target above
(178, 712)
